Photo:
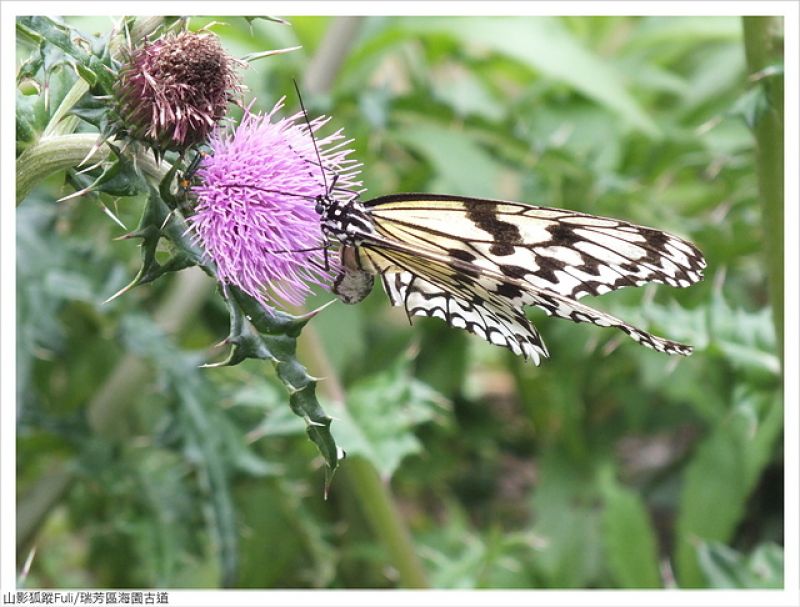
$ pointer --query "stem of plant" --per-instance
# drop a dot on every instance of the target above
(373, 494)
(61, 152)
(763, 42)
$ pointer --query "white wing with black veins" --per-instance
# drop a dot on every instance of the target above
(501, 325)
(476, 263)
(572, 254)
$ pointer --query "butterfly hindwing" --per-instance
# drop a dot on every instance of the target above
(501, 326)
(425, 283)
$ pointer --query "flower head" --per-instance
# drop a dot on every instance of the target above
(172, 92)
(254, 216)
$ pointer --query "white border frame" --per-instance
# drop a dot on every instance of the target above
(790, 596)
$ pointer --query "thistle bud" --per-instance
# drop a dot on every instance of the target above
(172, 92)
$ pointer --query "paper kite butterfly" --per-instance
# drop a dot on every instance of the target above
(477, 263)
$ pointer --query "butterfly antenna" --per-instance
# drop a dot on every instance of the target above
(313, 139)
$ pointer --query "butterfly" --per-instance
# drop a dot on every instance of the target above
(477, 263)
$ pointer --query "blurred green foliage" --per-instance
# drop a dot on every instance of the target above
(610, 466)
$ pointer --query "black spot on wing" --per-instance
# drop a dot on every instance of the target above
(509, 290)
(485, 217)
(629, 266)
(548, 267)
(513, 271)
(562, 234)
(502, 249)
(461, 254)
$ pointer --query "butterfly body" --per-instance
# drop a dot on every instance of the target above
(476, 263)
(354, 282)
(347, 222)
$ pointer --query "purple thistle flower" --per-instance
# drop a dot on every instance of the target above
(255, 216)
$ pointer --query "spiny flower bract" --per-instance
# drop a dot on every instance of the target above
(254, 214)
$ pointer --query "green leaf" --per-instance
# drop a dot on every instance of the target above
(381, 414)
(724, 567)
(116, 178)
(212, 447)
(745, 339)
(47, 30)
(287, 535)
(463, 166)
(568, 523)
(256, 333)
(545, 45)
(58, 40)
(155, 222)
(463, 556)
(689, 31)
(26, 121)
(630, 540)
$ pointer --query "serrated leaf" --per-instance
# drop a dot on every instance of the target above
(50, 31)
(59, 41)
(117, 177)
(248, 320)
(156, 222)
(92, 110)
(272, 322)
(745, 339)
(381, 414)
(212, 443)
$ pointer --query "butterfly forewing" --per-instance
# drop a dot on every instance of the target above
(572, 254)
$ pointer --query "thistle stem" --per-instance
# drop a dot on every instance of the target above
(61, 152)
(373, 494)
(763, 42)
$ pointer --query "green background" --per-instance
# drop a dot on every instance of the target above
(609, 466)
